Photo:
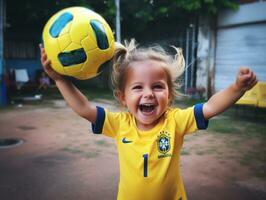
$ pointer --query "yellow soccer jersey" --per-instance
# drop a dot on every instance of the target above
(149, 160)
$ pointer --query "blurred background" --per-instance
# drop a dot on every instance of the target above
(45, 151)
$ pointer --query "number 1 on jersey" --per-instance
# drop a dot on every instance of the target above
(145, 169)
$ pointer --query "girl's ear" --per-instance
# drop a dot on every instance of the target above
(121, 98)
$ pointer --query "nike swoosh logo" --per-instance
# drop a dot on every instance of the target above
(124, 140)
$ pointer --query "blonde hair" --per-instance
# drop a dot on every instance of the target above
(124, 55)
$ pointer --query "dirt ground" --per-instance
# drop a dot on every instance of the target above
(61, 159)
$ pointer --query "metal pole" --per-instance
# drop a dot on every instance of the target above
(193, 54)
(1, 38)
(117, 21)
(187, 61)
(1, 35)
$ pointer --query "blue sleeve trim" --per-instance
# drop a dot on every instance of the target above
(198, 112)
(97, 127)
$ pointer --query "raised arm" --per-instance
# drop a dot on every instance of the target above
(75, 99)
(223, 99)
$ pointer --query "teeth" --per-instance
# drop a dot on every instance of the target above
(147, 104)
(147, 107)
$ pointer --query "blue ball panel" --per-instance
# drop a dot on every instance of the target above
(100, 34)
(60, 23)
(72, 57)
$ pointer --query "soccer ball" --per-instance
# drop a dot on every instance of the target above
(78, 41)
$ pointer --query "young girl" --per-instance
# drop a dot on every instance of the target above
(149, 136)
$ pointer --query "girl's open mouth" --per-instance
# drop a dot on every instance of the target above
(147, 108)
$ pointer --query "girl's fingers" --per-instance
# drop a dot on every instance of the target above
(46, 64)
(251, 78)
(247, 77)
(243, 78)
(253, 81)
(43, 58)
(244, 70)
(41, 49)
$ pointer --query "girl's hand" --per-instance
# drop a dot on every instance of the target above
(47, 66)
(245, 80)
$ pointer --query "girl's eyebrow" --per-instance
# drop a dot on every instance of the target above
(140, 83)
(159, 82)
(136, 83)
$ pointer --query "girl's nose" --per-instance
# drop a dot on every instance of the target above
(148, 93)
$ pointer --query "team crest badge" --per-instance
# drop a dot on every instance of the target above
(163, 143)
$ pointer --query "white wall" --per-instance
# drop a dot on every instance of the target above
(246, 15)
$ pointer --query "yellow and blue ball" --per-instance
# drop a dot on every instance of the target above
(78, 41)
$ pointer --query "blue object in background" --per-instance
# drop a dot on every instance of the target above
(3, 94)
(31, 65)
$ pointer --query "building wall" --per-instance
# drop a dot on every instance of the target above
(218, 61)
(247, 13)
(240, 41)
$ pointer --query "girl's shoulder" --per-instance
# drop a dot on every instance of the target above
(119, 115)
(178, 111)
(171, 110)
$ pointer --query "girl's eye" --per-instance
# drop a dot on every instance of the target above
(137, 87)
(158, 86)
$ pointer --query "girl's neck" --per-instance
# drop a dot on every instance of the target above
(147, 127)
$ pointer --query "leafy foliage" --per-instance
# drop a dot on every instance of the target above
(32, 14)
(157, 18)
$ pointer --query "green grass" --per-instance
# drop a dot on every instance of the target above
(102, 143)
(184, 152)
(256, 160)
(91, 154)
(224, 126)
(76, 150)
(26, 128)
(241, 121)
(247, 127)
(208, 151)
(187, 102)
(231, 123)
(50, 94)
(6, 108)
(200, 152)
(72, 150)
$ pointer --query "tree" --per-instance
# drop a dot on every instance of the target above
(142, 19)
(166, 18)
(27, 18)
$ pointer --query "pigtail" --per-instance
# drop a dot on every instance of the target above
(121, 59)
(178, 63)
(120, 52)
(119, 55)
(123, 52)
